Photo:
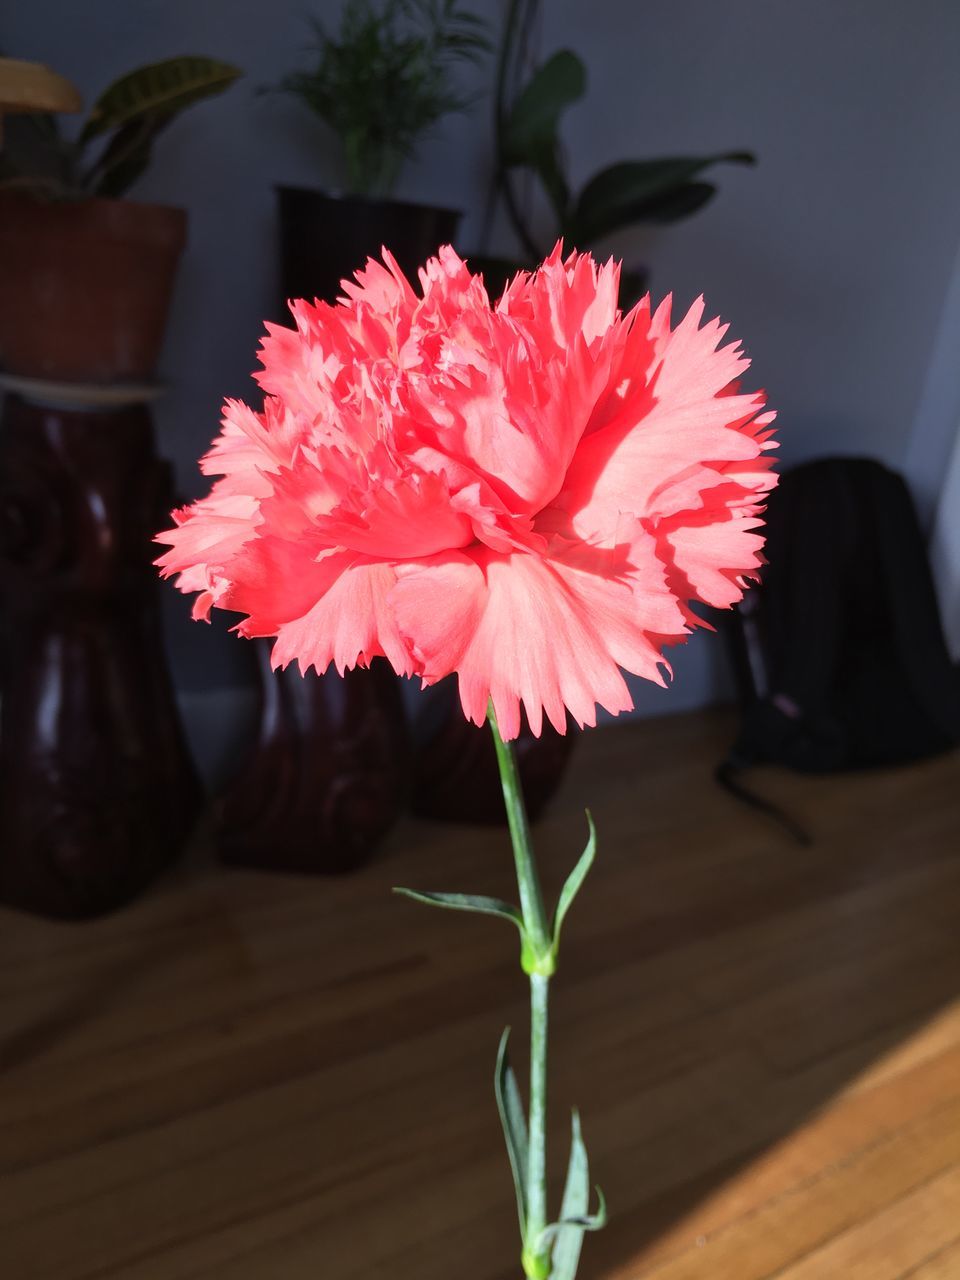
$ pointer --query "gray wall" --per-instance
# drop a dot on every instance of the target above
(832, 258)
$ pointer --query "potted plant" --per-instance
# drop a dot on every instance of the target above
(380, 83)
(87, 273)
(625, 194)
(97, 789)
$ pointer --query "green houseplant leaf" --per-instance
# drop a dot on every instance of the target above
(531, 125)
(645, 190)
(125, 121)
(125, 157)
(679, 203)
(136, 108)
(528, 135)
(384, 80)
(158, 89)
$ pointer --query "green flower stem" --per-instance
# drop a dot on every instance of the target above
(537, 1124)
(538, 961)
(528, 882)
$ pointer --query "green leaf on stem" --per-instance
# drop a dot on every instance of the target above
(510, 1106)
(567, 1234)
(644, 191)
(137, 108)
(125, 158)
(532, 124)
(467, 902)
(529, 135)
(680, 203)
(160, 89)
(573, 882)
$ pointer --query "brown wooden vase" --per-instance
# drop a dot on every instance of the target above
(327, 776)
(97, 791)
(457, 779)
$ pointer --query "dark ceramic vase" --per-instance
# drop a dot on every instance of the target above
(97, 791)
(456, 777)
(327, 776)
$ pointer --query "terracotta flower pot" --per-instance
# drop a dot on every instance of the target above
(86, 287)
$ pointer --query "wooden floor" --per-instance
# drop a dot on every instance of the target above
(258, 1078)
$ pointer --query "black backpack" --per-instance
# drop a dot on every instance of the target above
(839, 655)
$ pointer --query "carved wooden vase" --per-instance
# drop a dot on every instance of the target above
(97, 791)
(327, 776)
(456, 777)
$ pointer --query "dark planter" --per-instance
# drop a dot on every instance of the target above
(324, 238)
(97, 789)
(327, 775)
(86, 287)
(456, 777)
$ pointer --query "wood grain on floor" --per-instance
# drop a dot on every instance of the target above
(266, 1078)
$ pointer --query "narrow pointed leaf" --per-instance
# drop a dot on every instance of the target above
(125, 157)
(680, 203)
(574, 880)
(547, 163)
(510, 1106)
(574, 1218)
(644, 191)
(531, 127)
(585, 1222)
(467, 902)
(161, 88)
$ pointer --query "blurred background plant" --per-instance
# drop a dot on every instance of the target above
(115, 144)
(529, 107)
(385, 79)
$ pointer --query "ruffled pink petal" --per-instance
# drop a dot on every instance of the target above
(349, 625)
(382, 287)
(449, 289)
(663, 422)
(527, 494)
(550, 633)
(248, 456)
(403, 518)
(564, 300)
(251, 446)
(209, 532)
(498, 420)
(715, 557)
(202, 606)
(302, 368)
(275, 580)
(510, 391)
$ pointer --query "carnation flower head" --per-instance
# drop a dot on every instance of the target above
(529, 494)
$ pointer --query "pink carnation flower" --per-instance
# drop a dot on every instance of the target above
(528, 494)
